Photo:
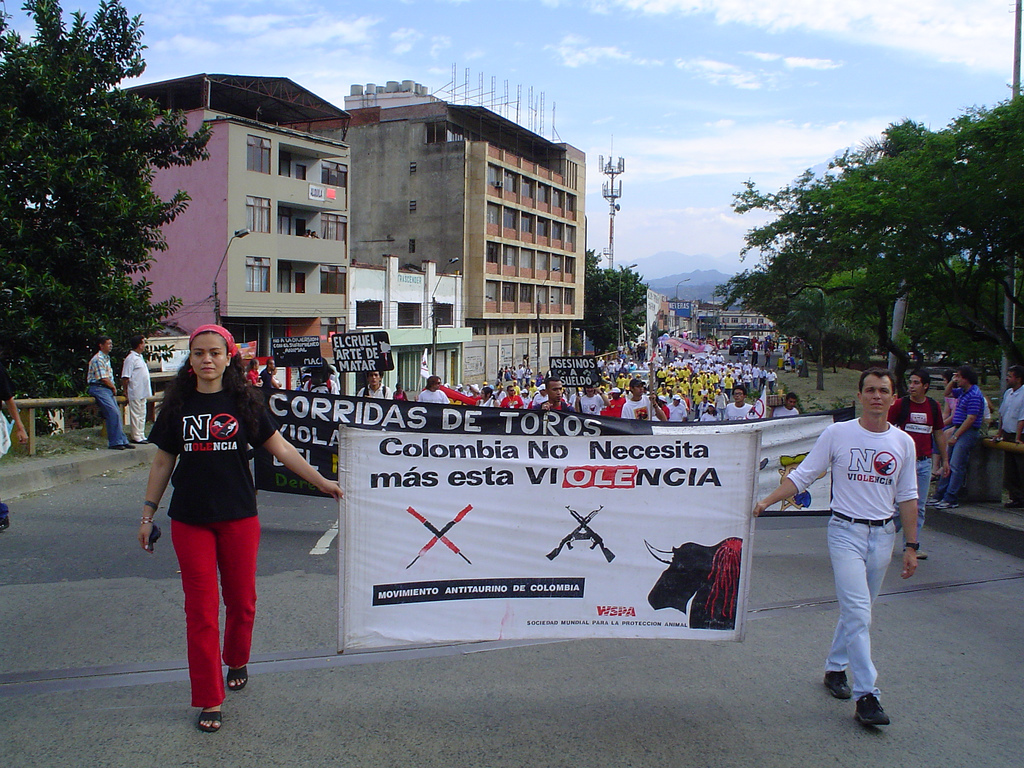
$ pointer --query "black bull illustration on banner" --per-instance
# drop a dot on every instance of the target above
(706, 578)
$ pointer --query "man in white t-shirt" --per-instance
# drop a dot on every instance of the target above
(873, 472)
(592, 401)
(789, 409)
(374, 387)
(640, 405)
(432, 392)
(677, 410)
(137, 387)
(738, 409)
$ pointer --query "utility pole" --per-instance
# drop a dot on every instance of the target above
(1009, 313)
(611, 192)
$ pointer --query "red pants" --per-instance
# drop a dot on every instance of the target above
(203, 549)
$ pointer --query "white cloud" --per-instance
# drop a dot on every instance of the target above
(186, 45)
(439, 43)
(978, 34)
(404, 40)
(772, 153)
(574, 51)
(721, 73)
(797, 62)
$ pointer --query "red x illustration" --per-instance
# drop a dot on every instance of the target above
(439, 534)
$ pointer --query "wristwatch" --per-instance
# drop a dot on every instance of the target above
(915, 546)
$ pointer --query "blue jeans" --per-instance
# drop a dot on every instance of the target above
(959, 455)
(860, 555)
(111, 414)
(924, 479)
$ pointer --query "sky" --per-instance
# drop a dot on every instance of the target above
(697, 96)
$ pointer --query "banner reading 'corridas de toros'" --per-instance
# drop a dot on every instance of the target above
(458, 537)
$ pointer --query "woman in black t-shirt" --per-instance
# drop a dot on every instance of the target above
(207, 423)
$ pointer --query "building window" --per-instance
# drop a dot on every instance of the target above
(333, 227)
(437, 132)
(542, 261)
(526, 223)
(412, 245)
(412, 206)
(257, 213)
(257, 274)
(284, 277)
(257, 156)
(555, 294)
(526, 259)
(491, 290)
(444, 314)
(569, 297)
(510, 256)
(409, 314)
(494, 176)
(368, 314)
(492, 253)
(299, 171)
(570, 203)
(284, 163)
(332, 279)
(556, 230)
(412, 167)
(333, 173)
(508, 292)
(330, 326)
(526, 294)
(570, 235)
(509, 218)
(570, 266)
(556, 198)
(542, 193)
(300, 282)
(510, 181)
(284, 220)
(493, 214)
(526, 190)
(556, 262)
(542, 227)
(542, 295)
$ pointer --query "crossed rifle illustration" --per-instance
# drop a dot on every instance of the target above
(583, 532)
(439, 534)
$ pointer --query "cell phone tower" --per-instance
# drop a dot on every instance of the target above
(611, 191)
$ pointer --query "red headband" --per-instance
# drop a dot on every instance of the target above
(224, 333)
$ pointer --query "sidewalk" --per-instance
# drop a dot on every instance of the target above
(32, 475)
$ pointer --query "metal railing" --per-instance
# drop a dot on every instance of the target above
(31, 405)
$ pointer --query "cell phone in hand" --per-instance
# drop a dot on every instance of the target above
(153, 536)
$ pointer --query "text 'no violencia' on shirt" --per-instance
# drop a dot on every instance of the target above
(211, 480)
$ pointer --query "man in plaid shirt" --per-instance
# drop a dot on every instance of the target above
(103, 388)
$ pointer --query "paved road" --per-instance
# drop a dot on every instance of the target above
(92, 667)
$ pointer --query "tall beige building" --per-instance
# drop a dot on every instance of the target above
(479, 194)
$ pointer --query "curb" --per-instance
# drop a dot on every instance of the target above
(991, 527)
(42, 474)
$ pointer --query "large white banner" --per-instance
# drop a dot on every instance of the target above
(459, 537)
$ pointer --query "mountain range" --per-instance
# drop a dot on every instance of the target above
(666, 271)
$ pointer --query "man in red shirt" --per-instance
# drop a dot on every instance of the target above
(615, 403)
(921, 418)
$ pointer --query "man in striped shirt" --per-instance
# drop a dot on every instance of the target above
(961, 438)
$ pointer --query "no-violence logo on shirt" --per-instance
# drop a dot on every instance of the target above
(870, 466)
(206, 432)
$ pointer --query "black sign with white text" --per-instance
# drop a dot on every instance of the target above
(296, 351)
(575, 371)
(362, 352)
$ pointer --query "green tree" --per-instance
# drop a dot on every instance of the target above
(933, 216)
(609, 293)
(80, 220)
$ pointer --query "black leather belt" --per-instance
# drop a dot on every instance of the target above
(861, 520)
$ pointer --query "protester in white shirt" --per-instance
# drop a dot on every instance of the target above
(789, 409)
(738, 409)
(677, 410)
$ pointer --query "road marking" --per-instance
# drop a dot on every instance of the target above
(323, 546)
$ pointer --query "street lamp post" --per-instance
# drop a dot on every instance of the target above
(622, 271)
(239, 233)
(684, 280)
(433, 316)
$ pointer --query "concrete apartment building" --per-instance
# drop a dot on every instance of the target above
(477, 194)
(278, 167)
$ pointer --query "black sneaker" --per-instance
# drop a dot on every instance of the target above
(5, 522)
(837, 685)
(870, 712)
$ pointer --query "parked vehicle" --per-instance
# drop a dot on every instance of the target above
(739, 344)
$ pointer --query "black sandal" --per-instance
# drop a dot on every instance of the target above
(208, 722)
(237, 678)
